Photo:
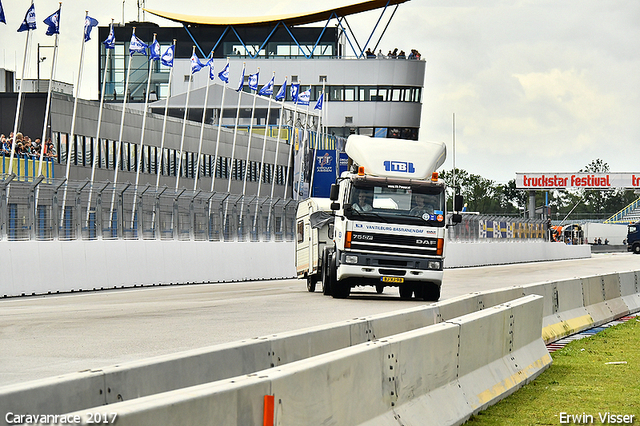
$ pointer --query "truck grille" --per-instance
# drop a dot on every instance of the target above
(400, 244)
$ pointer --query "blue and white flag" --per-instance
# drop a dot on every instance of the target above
(224, 74)
(29, 22)
(212, 75)
(89, 23)
(303, 97)
(196, 65)
(110, 41)
(282, 92)
(267, 89)
(295, 89)
(53, 22)
(253, 81)
(241, 81)
(167, 56)
(137, 46)
(154, 51)
(2, 19)
(319, 103)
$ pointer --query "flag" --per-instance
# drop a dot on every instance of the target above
(53, 21)
(241, 81)
(89, 23)
(29, 22)
(137, 46)
(303, 97)
(295, 88)
(110, 41)
(2, 14)
(253, 81)
(154, 51)
(224, 74)
(196, 65)
(319, 103)
(267, 89)
(167, 56)
(282, 92)
(212, 75)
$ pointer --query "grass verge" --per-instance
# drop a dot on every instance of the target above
(579, 382)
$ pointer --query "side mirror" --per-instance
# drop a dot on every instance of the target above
(458, 202)
(456, 218)
(335, 206)
(335, 190)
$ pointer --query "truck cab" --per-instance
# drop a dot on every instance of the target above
(633, 238)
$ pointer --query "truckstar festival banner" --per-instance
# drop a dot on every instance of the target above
(577, 180)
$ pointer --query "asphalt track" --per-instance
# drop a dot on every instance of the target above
(44, 336)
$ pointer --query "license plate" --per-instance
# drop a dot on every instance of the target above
(396, 280)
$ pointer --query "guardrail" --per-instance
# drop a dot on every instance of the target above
(459, 341)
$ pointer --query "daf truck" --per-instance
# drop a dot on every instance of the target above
(633, 238)
(385, 225)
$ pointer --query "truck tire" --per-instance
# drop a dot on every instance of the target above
(339, 289)
(379, 288)
(636, 248)
(406, 290)
(430, 292)
(312, 280)
(326, 277)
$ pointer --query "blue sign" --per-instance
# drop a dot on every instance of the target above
(325, 172)
(399, 166)
(344, 163)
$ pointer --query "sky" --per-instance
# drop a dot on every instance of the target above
(535, 85)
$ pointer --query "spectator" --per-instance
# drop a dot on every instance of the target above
(380, 54)
(370, 54)
(394, 54)
(402, 55)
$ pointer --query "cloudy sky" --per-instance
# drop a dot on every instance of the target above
(535, 85)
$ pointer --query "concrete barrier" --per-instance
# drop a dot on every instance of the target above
(65, 266)
(391, 381)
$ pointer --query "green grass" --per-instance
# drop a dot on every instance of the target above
(579, 381)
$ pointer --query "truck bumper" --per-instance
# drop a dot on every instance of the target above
(371, 269)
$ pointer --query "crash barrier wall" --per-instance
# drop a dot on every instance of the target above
(41, 267)
(565, 310)
(431, 375)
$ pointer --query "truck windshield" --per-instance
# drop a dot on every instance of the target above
(418, 203)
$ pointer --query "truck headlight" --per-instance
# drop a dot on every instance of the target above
(351, 259)
(433, 264)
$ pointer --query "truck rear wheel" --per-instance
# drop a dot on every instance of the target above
(312, 280)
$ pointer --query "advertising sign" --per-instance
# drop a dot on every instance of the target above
(577, 180)
(325, 172)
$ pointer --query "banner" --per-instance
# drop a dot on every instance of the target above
(577, 180)
(325, 172)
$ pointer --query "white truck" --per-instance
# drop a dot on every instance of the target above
(385, 224)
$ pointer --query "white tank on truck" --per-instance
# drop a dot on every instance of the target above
(388, 221)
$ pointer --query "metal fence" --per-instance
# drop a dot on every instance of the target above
(54, 210)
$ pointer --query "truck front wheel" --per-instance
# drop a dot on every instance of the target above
(312, 280)
(636, 248)
(339, 289)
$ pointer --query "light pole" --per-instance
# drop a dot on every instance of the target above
(41, 59)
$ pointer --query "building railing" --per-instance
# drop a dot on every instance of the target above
(54, 210)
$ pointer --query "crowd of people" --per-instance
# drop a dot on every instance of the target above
(395, 54)
(25, 146)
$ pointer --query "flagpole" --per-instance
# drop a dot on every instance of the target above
(119, 148)
(291, 143)
(48, 106)
(19, 102)
(70, 141)
(144, 123)
(204, 114)
(275, 162)
(264, 147)
(246, 164)
(184, 125)
(96, 144)
(215, 162)
(164, 128)
(233, 146)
